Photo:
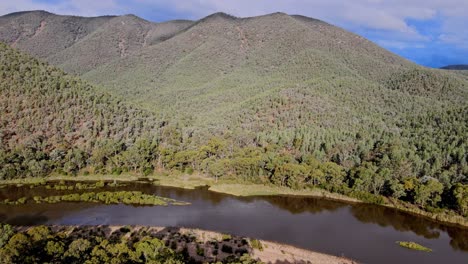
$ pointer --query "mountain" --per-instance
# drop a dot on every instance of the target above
(275, 98)
(51, 120)
(33, 31)
(461, 70)
(455, 67)
(80, 44)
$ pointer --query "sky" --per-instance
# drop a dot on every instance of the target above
(432, 33)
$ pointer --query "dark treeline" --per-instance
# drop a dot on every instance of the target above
(54, 123)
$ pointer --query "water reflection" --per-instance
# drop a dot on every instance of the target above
(400, 221)
(459, 239)
(364, 232)
(299, 205)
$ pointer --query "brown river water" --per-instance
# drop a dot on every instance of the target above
(366, 233)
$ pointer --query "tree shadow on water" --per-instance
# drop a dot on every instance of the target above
(25, 220)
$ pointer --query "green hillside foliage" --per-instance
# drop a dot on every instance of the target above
(53, 121)
(276, 99)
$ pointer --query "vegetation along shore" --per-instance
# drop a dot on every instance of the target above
(137, 244)
(233, 187)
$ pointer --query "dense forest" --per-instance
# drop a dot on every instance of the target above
(55, 123)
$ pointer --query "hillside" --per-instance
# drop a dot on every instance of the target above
(53, 121)
(33, 31)
(279, 99)
(79, 44)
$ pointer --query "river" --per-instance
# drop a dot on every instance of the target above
(366, 233)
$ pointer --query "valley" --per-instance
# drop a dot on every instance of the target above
(270, 108)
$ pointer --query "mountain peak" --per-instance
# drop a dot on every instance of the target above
(277, 14)
(219, 15)
(33, 12)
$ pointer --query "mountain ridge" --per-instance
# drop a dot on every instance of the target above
(455, 67)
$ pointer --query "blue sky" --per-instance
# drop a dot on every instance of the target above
(430, 32)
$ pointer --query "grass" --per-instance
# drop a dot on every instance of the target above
(248, 189)
(413, 246)
(182, 181)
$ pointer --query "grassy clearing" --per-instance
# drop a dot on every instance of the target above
(182, 181)
(238, 189)
(413, 246)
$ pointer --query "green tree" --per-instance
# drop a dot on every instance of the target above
(17, 247)
(6, 231)
(460, 193)
(149, 249)
(428, 192)
(290, 175)
(38, 233)
(54, 248)
(78, 249)
(334, 173)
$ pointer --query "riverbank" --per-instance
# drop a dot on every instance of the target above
(236, 188)
(196, 245)
(267, 251)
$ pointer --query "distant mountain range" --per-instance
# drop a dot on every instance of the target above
(282, 84)
(455, 67)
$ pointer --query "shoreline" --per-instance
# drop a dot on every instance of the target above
(265, 251)
(230, 187)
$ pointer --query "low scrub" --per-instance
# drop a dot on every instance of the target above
(413, 246)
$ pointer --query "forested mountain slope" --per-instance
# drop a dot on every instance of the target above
(53, 121)
(283, 99)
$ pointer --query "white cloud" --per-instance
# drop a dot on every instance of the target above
(401, 45)
(391, 16)
(455, 32)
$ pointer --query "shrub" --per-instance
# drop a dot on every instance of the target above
(226, 237)
(226, 249)
(256, 244)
